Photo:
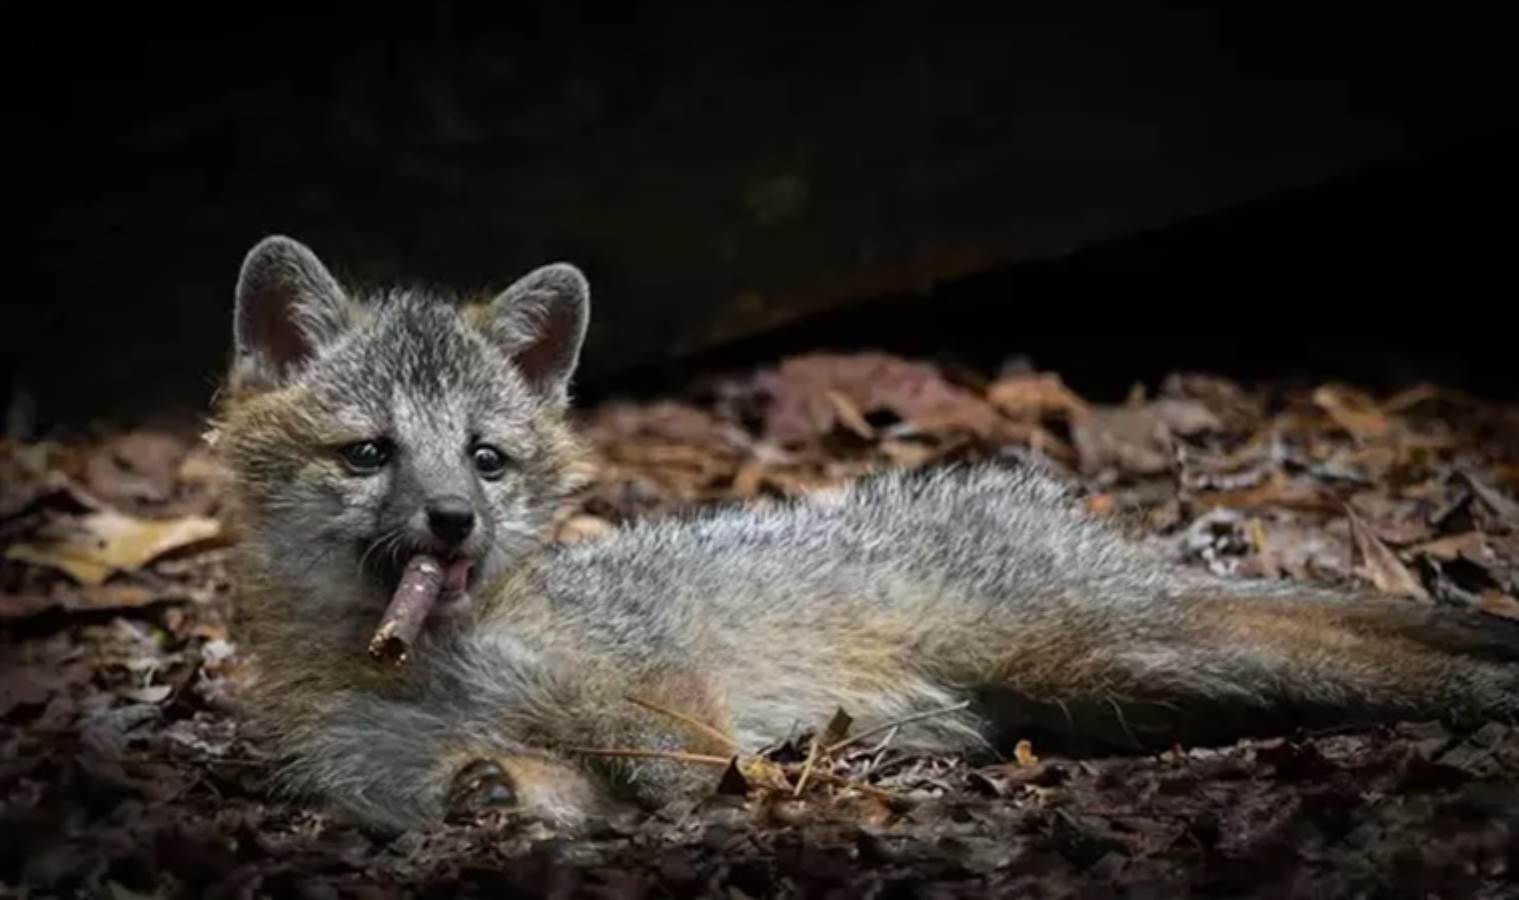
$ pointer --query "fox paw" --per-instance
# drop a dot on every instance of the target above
(481, 786)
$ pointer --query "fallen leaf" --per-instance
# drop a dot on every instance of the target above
(1396, 520)
(72, 599)
(1036, 396)
(799, 407)
(583, 527)
(749, 480)
(733, 783)
(136, 466)
(837, 728)
(1506, 509)
(1353, 411)
(200, 467)
(1381, 566)
(1236, 409)
(1139, 439)
(1499, 604)
(153, 693)
(870, 809)
(1101, 504)
(1280, 490)
(107, 542)
(908, 454)
(1470, 545)
(848, 415)
(1023, 751)
(1292, 549)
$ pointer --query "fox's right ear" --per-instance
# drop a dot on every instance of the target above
(540, 321)
(288, 305)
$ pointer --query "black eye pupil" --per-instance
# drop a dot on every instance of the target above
(489, 461)
(365, 456)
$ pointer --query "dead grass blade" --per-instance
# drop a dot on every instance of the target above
(895, 723)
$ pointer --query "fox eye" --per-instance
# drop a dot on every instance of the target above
(365, 457)
(489, 461)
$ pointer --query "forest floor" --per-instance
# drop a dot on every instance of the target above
(123, 773)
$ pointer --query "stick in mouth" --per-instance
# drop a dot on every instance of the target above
(416, 595)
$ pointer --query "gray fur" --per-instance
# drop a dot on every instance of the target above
(898, 594)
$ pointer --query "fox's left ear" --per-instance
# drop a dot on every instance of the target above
(540, 321)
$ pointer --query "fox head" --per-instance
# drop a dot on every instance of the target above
(362, 429)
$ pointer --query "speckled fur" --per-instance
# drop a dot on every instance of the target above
(899, 594)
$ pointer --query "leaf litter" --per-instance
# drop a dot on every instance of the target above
(123, 771)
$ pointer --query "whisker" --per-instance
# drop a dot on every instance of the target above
(375, 544)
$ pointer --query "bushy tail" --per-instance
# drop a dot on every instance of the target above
(1234, 663)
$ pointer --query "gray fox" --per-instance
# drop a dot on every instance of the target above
(364, 429)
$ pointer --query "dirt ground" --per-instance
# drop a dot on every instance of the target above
(123, 774)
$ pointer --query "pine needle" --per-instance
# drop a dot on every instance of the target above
(691, 722)
(915, 717)
(699, 759)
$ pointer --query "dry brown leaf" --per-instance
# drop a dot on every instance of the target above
(1023, 752)
(1138, 439)
(849, 415)
(800, 407)
(1396, 520)
(1381, 565)
(1352, 410)
(582, 527)
(1471, 545)
(1035, 396)
(1100, 504)
(136, 466)
(749, 479)
(107, 542)
(908, 454)
(153, 693)
(70, 598)
(1499, 604)
(1506, 509)
(837, 728)
(1408, 398)
(1280, 490)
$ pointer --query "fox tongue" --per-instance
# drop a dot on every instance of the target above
(456, 578)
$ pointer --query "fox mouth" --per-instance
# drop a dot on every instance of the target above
(458, 576)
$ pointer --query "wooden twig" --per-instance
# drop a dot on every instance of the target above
(915, 717)
(700, 759)
(690, 722)
(812, 755)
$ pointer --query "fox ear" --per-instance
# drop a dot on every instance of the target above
(540, 321)
(288, 304)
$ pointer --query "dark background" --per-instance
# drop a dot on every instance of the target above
(1115, 190)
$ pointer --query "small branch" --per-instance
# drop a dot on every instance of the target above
(915, 717)
(812, 755)
(694, 724)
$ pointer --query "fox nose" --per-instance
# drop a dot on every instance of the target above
(450, 517)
